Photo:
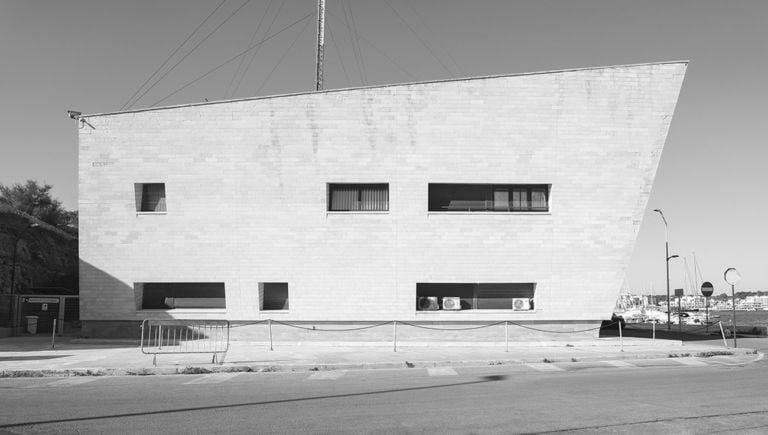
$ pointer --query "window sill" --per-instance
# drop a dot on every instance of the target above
(356, 212)
(274, 311)
(457, 312)
(183, 310)
(490, 213)
(138, 213)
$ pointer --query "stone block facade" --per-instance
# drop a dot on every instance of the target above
(246, 186)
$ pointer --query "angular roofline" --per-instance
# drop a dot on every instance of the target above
(206, 103)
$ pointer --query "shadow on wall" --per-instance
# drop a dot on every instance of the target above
(103, 298)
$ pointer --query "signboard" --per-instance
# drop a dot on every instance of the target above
(732, 276)
(707, 289)
(678, 292)
(41, 300)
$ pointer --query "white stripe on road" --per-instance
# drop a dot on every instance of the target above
(545, 367)
(327, 376)
(66, 382)
(620, 363)
(213, 378)
(690, 362)
(441, 371)
(82, 360)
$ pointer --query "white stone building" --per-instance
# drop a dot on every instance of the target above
(515, 198)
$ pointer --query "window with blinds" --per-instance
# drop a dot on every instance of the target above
(150, 197)
(489, 197)
(358, 197)
(273, 296)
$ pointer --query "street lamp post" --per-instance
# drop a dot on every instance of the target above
(667, 257)
(11, 304)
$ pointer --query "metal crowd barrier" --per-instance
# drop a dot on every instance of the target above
(185, 336)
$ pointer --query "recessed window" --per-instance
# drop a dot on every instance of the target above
(358, 197)
(150, 197)
(273, 296)
(489, 197)
(475, 296)
(180, 295)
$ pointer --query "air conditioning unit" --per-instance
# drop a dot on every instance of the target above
(521, 304)
(427, 303)
(451, 303)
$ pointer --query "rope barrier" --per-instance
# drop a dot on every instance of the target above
(451, 329)
(563, 332)
(248, 323)
(332, 330)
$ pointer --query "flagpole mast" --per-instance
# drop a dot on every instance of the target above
(320, 44)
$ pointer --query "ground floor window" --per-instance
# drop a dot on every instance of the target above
(176, 295)
(489, 197)
(273, 296)
(475, 296)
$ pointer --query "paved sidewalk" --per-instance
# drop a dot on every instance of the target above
(32, 355)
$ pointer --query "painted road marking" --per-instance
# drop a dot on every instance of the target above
(327, 376)
(66, 382)
(690, 362)
(441, 371)
(82, 360)
(545, 367)
(213, 378)
(620, 363)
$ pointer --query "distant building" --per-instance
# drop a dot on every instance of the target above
(461, 202)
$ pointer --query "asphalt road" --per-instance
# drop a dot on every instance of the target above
(640, 396)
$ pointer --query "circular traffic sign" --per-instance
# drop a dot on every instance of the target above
(732, 276)
(707, 289)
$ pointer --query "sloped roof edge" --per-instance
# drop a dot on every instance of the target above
(206, 103)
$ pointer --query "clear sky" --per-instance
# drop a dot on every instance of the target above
(93, 55)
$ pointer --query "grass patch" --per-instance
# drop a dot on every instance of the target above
(21, 374)
(410, 365)
(194, 371)
(139, 372)
(574, 360)
(548, 361)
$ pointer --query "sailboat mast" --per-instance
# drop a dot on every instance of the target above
(320, 44)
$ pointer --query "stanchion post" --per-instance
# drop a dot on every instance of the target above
(725, 343)
(269, 322)
(506, 335)
(654, 331)
(621, 338)
(394, 325)
(53, 335)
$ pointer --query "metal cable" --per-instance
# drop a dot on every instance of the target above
(172, 54)
(338, 53)
(356, 39)
(242, 59)
(450, 73)
(285, 53)
(424, 23)
(563, 332)
(190, 52)
(451, 329)
(331, 330)
(233, 58)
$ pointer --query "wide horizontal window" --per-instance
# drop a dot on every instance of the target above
(273, 296)
(150, 197)
(358, 197)
(489, 197)
(475, 296)
(181, 295)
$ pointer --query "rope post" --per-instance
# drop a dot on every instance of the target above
(53, 335)
(621, 338)
(269, 322)
(394, 324)
(725, 343)
(506, 335)
(654, 331)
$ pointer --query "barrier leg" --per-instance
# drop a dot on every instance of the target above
(654, 331)
(506, 335)
(154, 360)
(394, 323)
(621, 338)
(269, 322)
(725, 343)
(53, 335)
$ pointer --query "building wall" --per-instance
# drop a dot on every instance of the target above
(246, 187)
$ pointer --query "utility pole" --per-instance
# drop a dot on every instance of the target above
(320, 43)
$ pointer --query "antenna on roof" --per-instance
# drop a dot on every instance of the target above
(320, 43)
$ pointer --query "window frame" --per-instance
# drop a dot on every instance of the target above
(140, 290)
(139, 196)
(262, 297)
(360, 187)
(489, 196)
(474, 301)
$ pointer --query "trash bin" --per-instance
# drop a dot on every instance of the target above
(31, 324)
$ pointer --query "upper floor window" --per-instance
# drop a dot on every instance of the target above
(150, 196)
(489, 197)
(358, 197)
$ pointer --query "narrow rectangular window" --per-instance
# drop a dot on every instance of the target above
(150, 197)
(475, 296)
(273, 296)
(358, 197)
(180, 295)
(489, 197)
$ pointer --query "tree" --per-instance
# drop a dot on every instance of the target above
(36, 200)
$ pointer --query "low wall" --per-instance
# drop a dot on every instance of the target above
(377, 332)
